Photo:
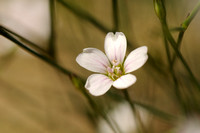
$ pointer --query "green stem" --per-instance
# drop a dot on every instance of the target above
(155, 111)
(184, 27)
(52, 40)
(162, 115)
(189, 19)
(161, 13)
(44, 58)
(115, 15)
(172, 72)
(84, 15)
(140, 125)
(178, 53)
(33, 45)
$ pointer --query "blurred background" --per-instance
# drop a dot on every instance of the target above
(37, 98)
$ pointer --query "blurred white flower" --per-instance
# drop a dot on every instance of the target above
(28, 18)
(190, 125)
(112, 68)
(123, 116)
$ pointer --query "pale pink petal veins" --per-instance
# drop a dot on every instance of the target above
(115, 46)
(124, 81)
(98, 84)
(136, 59)
(93, 59)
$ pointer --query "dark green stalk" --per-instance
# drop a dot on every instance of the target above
(115, 15)
(52, 40)
(184, 27)
(178, 53)
(189, 19)
(33, 45)
(172, 72)
(161, 13)
(156, 112)
(176, 86)
(84, 15)
(140, 125)
(42, 57)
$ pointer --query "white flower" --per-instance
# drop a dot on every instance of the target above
(122, 116)
(112, 68)
(190, 125)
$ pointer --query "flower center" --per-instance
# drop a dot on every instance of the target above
(115, 71)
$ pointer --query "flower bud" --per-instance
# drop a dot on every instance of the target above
(160, 9)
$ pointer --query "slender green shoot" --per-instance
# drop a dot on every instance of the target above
(184, 27)
(84, 15)
(161, 13)
(52, 39)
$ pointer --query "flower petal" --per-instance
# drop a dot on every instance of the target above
(98, 84)
(136, 59)
(124, 81)
(93, 59)
(115, 46)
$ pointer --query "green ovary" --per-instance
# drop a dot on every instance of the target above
(115, 72)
